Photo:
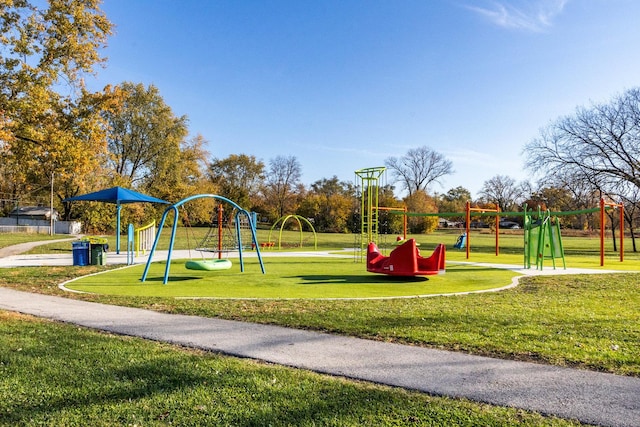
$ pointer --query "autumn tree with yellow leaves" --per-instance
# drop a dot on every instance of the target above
(49, 123)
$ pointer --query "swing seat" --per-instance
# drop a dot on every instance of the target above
(208, 264)
(405, 260)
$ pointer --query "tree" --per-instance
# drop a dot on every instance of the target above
(282, 180)
(46, 52)
(454, 200)
(184, 175)
(584, 193)
(419, 168)
(143, 131)
(330, 204)
(389, 223)
(41, 49)
(600, 143)
(421, 202)
(502, 190)
(66, 148)
(237, 177)
(629, 195)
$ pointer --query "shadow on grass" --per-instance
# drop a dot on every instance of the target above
(326, 279)
(172, 279)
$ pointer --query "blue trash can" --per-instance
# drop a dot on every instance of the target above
(80, 252)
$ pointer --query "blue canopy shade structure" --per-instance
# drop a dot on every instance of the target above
(117, 196)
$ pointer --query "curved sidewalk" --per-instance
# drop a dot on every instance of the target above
(14, 250)
(591, 397)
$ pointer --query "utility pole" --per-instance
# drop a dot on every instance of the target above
(51, 220)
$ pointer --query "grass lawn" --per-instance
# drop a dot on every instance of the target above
(60, 375)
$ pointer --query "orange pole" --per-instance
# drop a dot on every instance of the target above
(498, 232)
(404, 228)
(468, 217)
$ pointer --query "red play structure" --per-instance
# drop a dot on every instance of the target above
(405, 260)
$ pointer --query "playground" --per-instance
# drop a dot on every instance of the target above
(232, 258)
(330, 271)
(227, 259)
(581, 322)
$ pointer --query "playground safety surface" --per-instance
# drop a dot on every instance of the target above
(590, 397)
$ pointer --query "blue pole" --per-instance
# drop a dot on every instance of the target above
(155, 244)
(173, 237)
(118, 207)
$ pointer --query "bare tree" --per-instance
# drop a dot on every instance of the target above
(629, 195)
(502, 190)
(419, 168)
(585, 194)
(283, 177)
(600, 143)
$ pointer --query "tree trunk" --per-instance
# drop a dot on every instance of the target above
(613, 231)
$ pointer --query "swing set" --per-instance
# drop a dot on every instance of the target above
(213, 241)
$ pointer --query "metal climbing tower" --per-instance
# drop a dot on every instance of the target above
(369, 185)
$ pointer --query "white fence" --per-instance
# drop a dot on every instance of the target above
(40, 226)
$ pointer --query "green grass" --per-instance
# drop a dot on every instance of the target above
(9, 239)
(60, 375)
(288, 277)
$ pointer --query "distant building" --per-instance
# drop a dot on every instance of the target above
(34, 212)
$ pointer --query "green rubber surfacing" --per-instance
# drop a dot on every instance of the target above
(285, 278)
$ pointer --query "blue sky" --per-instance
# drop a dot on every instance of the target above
(344, 84)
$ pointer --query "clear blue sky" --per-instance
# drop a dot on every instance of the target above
(344, 84)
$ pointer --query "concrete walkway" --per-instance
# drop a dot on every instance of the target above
(8, 251)
(590, 397)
